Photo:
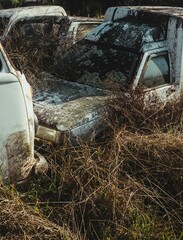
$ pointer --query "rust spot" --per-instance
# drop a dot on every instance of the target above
(19, 156)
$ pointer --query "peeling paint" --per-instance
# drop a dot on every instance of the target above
(73, 104)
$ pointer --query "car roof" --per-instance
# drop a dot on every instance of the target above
(118, 12)
(22, 12)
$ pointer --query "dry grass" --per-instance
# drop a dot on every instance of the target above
(128, 185)
(128, 188)
(18, 220)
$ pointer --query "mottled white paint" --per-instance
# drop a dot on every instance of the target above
(16, 117)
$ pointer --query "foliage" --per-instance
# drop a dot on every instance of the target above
(10, 3)
(91, 8)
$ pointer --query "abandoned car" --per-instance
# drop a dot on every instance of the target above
(136, 46)
(17, 125)
(33, 28)
(31, 19)
(45, 22)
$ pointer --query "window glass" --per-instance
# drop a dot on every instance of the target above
(157, 72)
(84, 28)
(36, 27)
(97, 65)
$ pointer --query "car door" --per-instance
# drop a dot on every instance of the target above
(155, 78)
(16, 124)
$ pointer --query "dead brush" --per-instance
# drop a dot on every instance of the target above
(130, 185)
(128, 188)
(131, 109)
(20, 221)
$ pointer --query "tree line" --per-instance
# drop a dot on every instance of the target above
(89, 7)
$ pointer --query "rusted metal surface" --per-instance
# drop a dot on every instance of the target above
(19, 155)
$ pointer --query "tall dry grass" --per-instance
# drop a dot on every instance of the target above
(127, 185)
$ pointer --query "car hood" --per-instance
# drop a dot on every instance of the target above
(69, 106)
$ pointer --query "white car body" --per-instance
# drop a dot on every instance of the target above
(13, 15)
(17, 123)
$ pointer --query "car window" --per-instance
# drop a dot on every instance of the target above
(157, 71)
(83, 29)
(97, 65)
(35, 28)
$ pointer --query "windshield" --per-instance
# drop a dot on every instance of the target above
(110, 53)
(96, 64)
(40, 27)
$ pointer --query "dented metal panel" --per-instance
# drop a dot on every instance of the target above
(16, 129)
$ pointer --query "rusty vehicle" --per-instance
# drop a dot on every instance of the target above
(34, 24)
(32, 30)
(134, 46)
(41, 31)
(39, 21)
(17, 130)
(30, 19)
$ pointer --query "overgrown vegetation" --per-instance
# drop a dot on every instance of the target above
(126, 185)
